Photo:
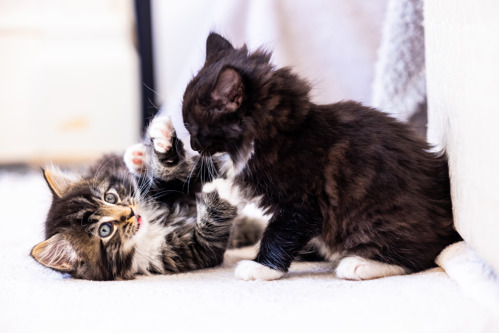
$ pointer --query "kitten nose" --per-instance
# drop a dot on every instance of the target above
(195, 144)
(124, 217)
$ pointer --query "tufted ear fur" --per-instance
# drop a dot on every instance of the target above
(58, 181)
(216, 43)
(229, 89)
(56, 253)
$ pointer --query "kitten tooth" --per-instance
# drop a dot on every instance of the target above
(251, 270)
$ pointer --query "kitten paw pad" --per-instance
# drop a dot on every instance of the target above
(250, 270)
(135, 158)
(161, 133)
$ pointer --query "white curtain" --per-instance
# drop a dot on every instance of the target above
(332, 43)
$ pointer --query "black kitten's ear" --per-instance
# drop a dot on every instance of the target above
(56, 253)
(229, 89)
(216, 43)
(58, 181)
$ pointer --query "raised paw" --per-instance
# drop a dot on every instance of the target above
(136, 159)
(357, 268)
(161, 133)
(226, 190)
(251, 270)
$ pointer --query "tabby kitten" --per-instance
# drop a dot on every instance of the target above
(108, 224)
(345, 178)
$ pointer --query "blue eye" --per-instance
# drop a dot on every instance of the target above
(111, 198)
(105, 229)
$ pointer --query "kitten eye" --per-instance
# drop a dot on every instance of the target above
(105, 229)
(111, 198)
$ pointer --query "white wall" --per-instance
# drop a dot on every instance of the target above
(462, 57)
(69, 86)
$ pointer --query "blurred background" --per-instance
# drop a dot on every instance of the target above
(69, 79)
(80, 78)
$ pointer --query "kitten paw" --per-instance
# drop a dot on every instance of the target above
(135, 158)
(251, 270)
(226, 191)
(161, 133)
(357, 268)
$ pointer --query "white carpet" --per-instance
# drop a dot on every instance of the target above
(309, 298)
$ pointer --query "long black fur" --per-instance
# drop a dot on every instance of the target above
(349, 175)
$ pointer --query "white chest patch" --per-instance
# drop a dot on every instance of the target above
(148, 244)
(234, 167)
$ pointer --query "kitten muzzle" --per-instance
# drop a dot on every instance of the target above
(205, 148)
(132, 225)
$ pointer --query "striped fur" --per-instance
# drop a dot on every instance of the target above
(108, 224)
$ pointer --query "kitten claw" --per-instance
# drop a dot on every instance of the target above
(251, 270)
(135, 158)
(161, 133)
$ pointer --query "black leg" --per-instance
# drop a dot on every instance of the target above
(287, 233)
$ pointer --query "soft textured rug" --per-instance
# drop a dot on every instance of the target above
(309, 298)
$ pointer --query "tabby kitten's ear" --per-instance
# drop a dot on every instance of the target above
(56, 253)
(58, 181)
(229, 89)
(216, 43)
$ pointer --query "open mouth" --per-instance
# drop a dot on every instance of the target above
(139, 222)
(132, 226)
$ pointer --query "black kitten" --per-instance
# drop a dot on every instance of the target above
(355, 183)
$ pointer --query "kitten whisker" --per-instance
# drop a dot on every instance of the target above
(196, 161)
(212, 169)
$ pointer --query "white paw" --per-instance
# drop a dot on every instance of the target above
(250, 270)
(357, 268)
(226, 190)
(209, 187)
(161, 132)
(136, 158)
